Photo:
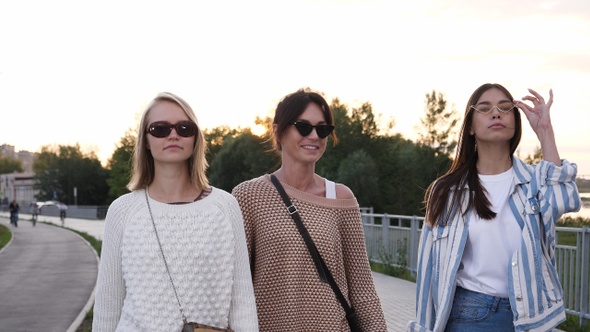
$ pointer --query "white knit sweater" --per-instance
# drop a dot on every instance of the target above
(205, 247)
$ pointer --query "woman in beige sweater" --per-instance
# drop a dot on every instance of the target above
(290, 295)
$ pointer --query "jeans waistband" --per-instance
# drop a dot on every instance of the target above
(494, 301)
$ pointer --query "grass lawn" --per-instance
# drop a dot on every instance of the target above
(5, 235)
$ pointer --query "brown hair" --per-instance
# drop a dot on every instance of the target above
(438, 200)
(292, 106)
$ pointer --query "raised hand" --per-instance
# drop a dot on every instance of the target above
(538, 115)
(540, 121)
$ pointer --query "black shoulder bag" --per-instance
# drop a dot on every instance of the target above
(323, 270)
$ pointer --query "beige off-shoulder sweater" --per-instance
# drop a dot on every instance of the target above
(289, 293)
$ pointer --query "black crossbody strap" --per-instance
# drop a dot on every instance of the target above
(302, 230)
(323, 270)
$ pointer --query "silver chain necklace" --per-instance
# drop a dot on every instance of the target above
(164, 257)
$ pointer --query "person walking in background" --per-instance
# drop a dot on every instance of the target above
(35, 212)
(174, 251)
(62, 212)
(14, 209)
(292, 292)
(486, 257)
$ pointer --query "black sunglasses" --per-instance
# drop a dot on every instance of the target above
(162, 129)
(304, 128)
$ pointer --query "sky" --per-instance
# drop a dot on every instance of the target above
(81, 72)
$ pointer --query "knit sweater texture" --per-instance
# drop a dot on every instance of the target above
(205, 248)
(289, 293)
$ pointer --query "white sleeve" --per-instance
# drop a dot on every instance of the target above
(110, 287)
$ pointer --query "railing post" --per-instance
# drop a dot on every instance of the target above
(385, 222)
(414, 242)
(367, 216)
(584, 273)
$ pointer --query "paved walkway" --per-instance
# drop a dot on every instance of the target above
(47, 278)
(398, 299)
(397, 295)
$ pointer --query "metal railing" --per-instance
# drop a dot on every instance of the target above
(394, 239)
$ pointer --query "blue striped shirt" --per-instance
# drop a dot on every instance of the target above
(541, 195)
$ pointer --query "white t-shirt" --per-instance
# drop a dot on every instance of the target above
(491, 243)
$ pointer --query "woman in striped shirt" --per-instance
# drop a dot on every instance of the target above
(486, 256)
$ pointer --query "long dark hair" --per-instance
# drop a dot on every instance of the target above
(463, 171)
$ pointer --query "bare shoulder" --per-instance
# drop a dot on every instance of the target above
(343, 192)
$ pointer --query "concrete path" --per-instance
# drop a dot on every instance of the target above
(397, 295)
(398, 300)
(47, 278)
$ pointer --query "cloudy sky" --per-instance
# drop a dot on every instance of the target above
(81, 72)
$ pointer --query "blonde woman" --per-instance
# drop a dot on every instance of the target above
(174, 249)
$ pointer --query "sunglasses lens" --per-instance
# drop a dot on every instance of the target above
(303, 128)
(186, 129)
(162, 129)
(324, 130)
(159, 129)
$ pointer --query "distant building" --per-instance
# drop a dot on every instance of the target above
(27, 158)
(19, 186)
(7, 151)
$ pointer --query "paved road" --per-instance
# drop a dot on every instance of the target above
(397, 295)
(47, 278)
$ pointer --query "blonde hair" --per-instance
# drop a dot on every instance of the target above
(143, 161)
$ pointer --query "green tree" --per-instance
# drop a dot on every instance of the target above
(405, 170)
(10, 165)
(438, 124)
(359, 172)
(266, 123)
(535, 157)
(120, 166)
(401, 168)
(60, 170)
(241, 158)
(356, 129)
(215, 137)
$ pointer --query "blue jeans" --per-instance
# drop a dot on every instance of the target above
(477, 312)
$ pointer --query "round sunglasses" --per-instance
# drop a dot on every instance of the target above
(161, 129)
(304, 128)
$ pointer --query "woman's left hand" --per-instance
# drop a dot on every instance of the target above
(540, 122)
(538, 115)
